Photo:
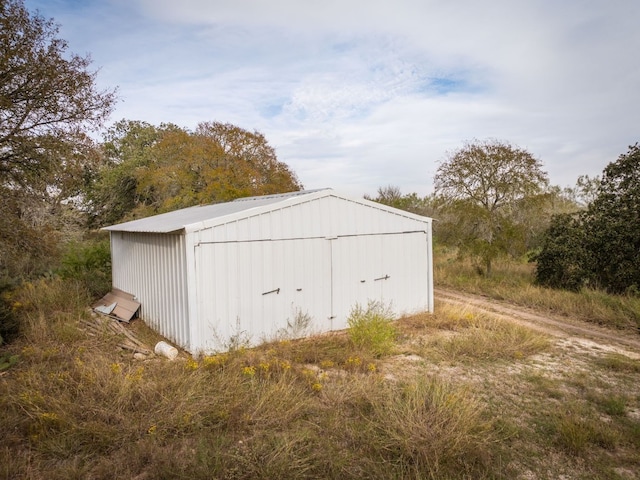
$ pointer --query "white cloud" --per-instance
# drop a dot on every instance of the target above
(357, 94)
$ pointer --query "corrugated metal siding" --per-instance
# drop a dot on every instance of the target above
(152, 267)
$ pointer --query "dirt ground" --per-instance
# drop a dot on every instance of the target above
(549, 399)
(567, 329)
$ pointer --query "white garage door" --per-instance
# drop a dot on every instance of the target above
(391, 268)
(262, 290)
(249, 292)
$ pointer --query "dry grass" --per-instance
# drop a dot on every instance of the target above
(513, 282)
(474, 336)
(426, 427)
(472, 399)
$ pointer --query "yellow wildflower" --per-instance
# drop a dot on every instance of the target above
(191, 364)
(326, 364)
(285, 365)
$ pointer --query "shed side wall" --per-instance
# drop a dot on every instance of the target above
(153, 268)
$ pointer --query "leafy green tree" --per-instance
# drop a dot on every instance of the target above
(560, 263)
(48, 101)
(112, 193)
(483, 187)
(152, 169)
(586, 190)
(612, 225)
(248, 160)
(47, 98)
(599, 246)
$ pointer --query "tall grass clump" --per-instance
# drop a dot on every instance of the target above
(451, 270)
(431, 429)
(49, 308)
(576, 429)
(372, 328)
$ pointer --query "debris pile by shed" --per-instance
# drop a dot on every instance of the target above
(118, 304)
(99, 324)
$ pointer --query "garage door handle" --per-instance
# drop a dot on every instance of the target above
(277, 290)
(382, 278)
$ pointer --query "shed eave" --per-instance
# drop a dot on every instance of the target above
(115, 228)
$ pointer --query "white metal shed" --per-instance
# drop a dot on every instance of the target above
(211, 276)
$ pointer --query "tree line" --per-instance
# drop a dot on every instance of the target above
(492, 199)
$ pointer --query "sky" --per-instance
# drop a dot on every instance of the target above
(361, 94)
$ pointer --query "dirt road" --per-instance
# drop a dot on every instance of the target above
(558, 326)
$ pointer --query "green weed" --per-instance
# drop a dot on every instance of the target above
(372, 328)
(618, 363)
(611, 404)
(8, 361)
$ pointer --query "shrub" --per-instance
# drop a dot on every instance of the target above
(90, 263)
(372, 328)
(559, 264)
(600, 245)
(9, 325)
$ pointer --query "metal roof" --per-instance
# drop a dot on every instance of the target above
(179, 219)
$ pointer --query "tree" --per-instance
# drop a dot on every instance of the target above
(48, 100)
(599, 246)
(112, 192)
(586, 190)
(248, 159)
(560, 261)
(612, 225)
(151, 169)
(411, 202)
(484, 186)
